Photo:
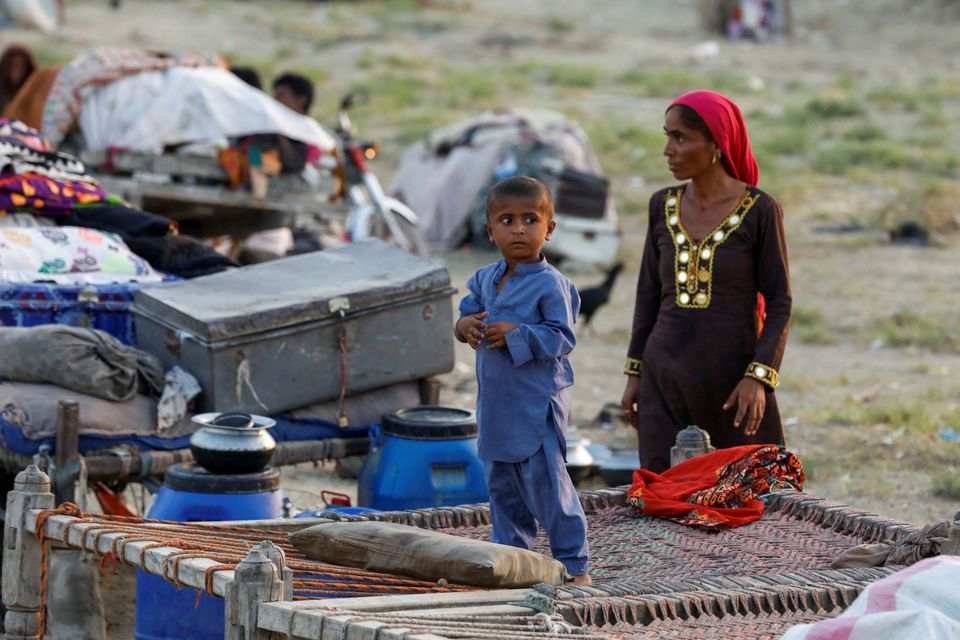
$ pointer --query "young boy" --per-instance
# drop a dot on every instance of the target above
(518, 317)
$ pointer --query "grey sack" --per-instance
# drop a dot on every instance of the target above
(427, 555)
(85, 360)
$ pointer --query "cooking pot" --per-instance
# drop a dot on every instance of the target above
(579, 460)
(228, 443)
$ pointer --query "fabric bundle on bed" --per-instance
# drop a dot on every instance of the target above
(32, 409)
(427, 555)
(84, 360)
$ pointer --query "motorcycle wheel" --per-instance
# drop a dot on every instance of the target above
(411, 233)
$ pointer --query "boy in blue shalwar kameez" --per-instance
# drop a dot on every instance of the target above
(518, 317)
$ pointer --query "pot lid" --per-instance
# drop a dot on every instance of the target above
(233, 420)
(431, 423)
(190, 477)
(693, 436)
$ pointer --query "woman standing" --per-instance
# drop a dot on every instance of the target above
(702, 351)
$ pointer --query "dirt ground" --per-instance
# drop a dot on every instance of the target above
(862, 407)
(847, 279)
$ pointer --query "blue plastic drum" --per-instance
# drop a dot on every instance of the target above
(423, 457)
(193, 494)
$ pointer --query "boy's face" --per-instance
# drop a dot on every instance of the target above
(288, 98)
(519, 227)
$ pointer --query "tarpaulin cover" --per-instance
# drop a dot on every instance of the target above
(148, 111)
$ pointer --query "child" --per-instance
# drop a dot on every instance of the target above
(518, 317)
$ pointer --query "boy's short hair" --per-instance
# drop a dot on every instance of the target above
(521, 187)
(299, 85)
(248, 75)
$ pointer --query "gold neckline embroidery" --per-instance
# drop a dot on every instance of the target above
(693, 261)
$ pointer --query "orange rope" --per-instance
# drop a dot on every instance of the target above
(226, 545)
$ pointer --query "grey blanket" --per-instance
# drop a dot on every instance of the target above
(33, 408)
(84, 360)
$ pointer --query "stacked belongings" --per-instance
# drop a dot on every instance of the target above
(324, 357)
(445, 179)
(130, 411)
(170, 131)
(121, 392)
(71, 253)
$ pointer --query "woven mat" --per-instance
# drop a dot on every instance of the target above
(824, 590)
(747, 627)
(797, 532)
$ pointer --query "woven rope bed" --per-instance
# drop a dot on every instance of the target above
(652, 577)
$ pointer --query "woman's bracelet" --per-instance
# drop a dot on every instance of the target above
(763, 373)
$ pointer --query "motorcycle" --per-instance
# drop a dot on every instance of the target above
(373, 214)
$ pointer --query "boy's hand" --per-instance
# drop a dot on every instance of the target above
(496, 334)
(471, 329)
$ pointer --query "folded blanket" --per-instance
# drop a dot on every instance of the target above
(718, 489)
(69, 256)
(33, 409)
(85, 360)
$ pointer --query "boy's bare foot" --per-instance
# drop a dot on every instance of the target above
(580, 581)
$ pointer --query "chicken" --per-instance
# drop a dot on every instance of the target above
(592, 298)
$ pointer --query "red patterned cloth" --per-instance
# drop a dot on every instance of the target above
(718, 489)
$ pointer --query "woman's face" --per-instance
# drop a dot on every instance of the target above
(689, 153)
(16, 71)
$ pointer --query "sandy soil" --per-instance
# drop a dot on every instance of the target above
(849, 280)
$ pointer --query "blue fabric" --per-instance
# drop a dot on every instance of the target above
(519, 384)
(290, 429)
(539, 490)
(28, 305)
(287, 429)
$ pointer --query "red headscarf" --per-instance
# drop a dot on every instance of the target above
(722, 116)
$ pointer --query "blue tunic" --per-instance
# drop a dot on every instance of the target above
(520, 397)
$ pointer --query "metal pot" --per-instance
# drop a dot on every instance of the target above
(579, 460)
(229, 443)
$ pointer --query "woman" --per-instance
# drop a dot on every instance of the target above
(700, 352)
(16, 65)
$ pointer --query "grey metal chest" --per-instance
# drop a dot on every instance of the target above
(267, 338)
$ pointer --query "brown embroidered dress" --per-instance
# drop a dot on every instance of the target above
(694, 327)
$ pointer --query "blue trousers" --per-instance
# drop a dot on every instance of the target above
(539, 489)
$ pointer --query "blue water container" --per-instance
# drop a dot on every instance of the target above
(193, 494)
(423, 457)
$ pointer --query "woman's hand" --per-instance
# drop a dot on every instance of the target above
(750, 398)
(496, 334)
(629, 399)
(469, 329)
